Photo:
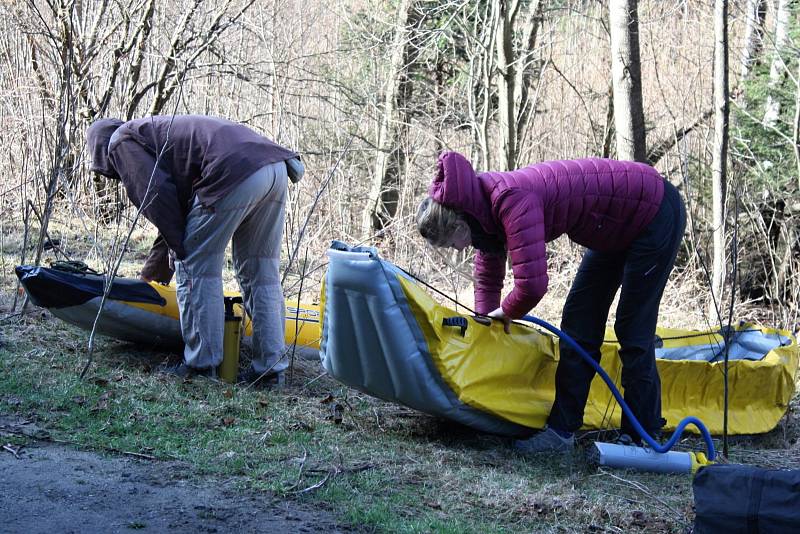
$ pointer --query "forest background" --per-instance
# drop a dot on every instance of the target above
(369, 92)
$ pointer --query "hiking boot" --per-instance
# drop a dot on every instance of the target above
(548, 440)
(182, 370)
(266, 380)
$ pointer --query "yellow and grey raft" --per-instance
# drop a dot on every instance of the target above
(140, 312)
(383, 334)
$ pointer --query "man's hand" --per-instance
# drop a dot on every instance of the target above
(500, 315)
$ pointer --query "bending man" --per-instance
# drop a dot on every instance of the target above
(203, 181)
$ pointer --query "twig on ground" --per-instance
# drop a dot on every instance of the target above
(638, 486)
(10, 316)
(313, 486)
(136, 454)
(313, 380)
(299, 472)
(112, 449)
(11, 450)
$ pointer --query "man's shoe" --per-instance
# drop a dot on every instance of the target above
(548, 440)
(182, 370)
(269, 379)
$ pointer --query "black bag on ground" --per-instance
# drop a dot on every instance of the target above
(733, 499)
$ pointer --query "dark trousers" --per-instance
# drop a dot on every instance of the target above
(642, 271)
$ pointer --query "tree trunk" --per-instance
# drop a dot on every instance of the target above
(772, 109)
(719, 163)
(481, 71)
(530, 69)
(753, 35)
(627, 80)
(608, 128)
(516, 67)
(796, 127)
(375, 214)
(506, 64)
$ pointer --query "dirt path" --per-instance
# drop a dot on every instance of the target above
(48, 488)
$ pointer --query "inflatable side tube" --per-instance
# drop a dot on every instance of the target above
(51, 288)
(371, 341)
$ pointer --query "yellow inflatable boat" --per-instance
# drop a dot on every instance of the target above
(385, 335)
(137, 311)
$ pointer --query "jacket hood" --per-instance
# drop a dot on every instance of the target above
(457, 186)
(98, 135)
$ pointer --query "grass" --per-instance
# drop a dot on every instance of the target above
(383, 467)
(375, 465)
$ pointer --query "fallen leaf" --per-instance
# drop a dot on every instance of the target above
(327, 399)
(639, 519)
(228, 421)
(102, 401)
(301, 425)
(228, 393)
(337, 413)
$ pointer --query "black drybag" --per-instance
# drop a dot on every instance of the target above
(733, 499)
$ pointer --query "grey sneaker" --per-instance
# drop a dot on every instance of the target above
(545, 441)
(182, 370)
(268, 380)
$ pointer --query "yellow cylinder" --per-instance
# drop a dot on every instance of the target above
(229, 368)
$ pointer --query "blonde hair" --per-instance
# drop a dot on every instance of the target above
(435, 222)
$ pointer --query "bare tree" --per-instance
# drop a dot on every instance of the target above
(480, 50)
(380, 209)
(627, 77)
(720, 153)
(777, 67)
(516, 68)
(753, 41)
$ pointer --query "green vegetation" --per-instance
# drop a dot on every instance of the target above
(379, 465)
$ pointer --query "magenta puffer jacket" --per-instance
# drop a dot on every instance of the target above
(599, 203)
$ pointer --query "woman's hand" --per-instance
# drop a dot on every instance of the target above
(500, 315)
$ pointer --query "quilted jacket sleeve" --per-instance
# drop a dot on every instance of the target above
(489, 272)
(523, 220)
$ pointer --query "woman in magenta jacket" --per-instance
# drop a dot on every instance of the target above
(631, 222)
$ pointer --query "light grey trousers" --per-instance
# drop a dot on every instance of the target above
(253, 216)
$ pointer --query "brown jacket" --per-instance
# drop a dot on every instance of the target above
(165, 162)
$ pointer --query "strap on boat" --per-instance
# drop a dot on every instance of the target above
(456, 321)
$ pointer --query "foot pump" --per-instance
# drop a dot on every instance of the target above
(229, 367)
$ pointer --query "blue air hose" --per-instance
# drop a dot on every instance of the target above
(711, 453)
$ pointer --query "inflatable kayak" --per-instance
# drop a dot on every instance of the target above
(138, 311)
(383, 334)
